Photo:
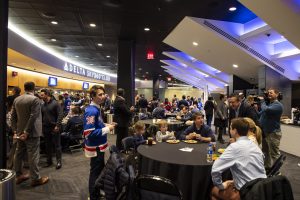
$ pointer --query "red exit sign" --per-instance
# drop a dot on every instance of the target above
(150, 55)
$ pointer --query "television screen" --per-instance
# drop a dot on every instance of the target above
(52, 81)
(85, 86)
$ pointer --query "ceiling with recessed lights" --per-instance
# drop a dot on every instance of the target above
(88, 31)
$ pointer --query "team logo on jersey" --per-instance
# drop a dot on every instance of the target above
(90, 119)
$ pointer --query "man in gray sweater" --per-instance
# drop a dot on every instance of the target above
(270, 123)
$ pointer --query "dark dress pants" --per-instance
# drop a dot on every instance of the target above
(52, 139)
(97, 164)
(122, 132)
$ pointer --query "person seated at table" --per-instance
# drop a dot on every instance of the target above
(199, 130)
(244, 159)
(254, 133)
(159, 112)
(194, 108)
(174, 108)
(185, 114)
(139, 131)
(163, 134)
(143, 114)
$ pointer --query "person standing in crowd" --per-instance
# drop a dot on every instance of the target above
(122, 116)
(67, 104)
(271, 112)
(26, 122)
(52, 117)
(175, 99)
(10, 99)
(95, 134)
(245, 166)
(142, 103)
(221, 116)
(239, 109)
(209, 110)
(183, 102)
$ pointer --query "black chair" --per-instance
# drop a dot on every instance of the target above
(274, 171)
(76, 138)
(128, 144)
(150, 187)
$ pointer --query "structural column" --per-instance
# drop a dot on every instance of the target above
(155, 86)
(3, 79)
(126, 69)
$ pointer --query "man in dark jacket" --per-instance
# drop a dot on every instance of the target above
(142, 103)
(209, 110)
(122, 116)
(183, 101)
(239, 109)
(52, 117)
(10, 99)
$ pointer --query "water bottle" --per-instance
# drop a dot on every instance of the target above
(209, 153)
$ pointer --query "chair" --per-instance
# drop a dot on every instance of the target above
(76, 138)
(274, 171)
(151, 187)
(128, 144)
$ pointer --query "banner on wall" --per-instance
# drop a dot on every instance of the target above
(71, 68)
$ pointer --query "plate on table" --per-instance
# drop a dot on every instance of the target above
(221, 150)
(173, 141)
(190, 141)
(153, 142)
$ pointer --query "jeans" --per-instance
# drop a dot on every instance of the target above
(52, 139)
(270, 147)
(31, 146)
(96, 164)
(209, 119)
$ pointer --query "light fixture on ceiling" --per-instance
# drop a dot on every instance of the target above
(159, 75)
(92, 25)
(147, 72)
(225, 85)
(235, 66)
(231, 9)
(53, 40)
(54, 22)
(76, 56)
(107, 56)
(91, 64)
(146, 29)
(206, 76)
(195, 43)
(100, 45)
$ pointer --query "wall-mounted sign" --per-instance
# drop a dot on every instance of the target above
(85, 72)
(52, 81)
(85, 86)
(150, 55)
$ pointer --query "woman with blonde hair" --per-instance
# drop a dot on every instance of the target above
(254, 133)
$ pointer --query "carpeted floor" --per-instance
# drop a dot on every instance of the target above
(71, 181)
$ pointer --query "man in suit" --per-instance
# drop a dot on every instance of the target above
(241, 109)
(26, 123)
(122, 116)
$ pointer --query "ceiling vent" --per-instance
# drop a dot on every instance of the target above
(243, 45)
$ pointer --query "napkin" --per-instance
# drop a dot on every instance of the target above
(187, 149)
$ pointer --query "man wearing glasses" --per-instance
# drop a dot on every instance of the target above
(95, 134)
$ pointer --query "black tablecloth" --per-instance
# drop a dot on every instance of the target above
(188, 170)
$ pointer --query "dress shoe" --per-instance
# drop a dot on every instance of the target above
(43, 180)
(22, 178)
(58, 165)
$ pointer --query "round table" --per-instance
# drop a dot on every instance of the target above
(188, 170)
(172, 122)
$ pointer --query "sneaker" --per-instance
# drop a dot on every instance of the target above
(41, 181)
(22, 178)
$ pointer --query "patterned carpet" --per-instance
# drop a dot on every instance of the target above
(71, 181)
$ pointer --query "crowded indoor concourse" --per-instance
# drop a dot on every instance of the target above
(150, 100)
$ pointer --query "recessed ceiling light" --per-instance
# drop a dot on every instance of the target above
(54, 22)
(147, 72)
(91, 64)
(232, 9)
(53, 40)
(206, 76)
(92, 25)
(76, 56)
(107, 56)
(195, 43)
(159, 75)
(100, 45)
(146, 29)
(235, 66)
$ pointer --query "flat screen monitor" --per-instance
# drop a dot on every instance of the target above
(85, 85)
(52, 81)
